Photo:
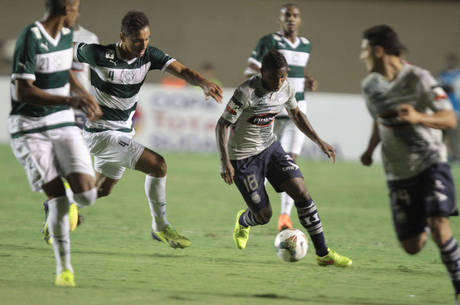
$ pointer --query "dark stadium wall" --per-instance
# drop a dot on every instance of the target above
(225, 32)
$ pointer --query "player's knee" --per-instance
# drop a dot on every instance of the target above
(414, 246)
(160, 167)
(86, 198)
(302, 196)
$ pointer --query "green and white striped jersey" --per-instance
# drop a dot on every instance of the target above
(116, 82)
(46, 61)
(296, 54)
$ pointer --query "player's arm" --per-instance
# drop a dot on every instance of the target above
(440, 120)
(27, 92)
(222, 133)
(89, 104)
(194, 78)
(301, 121)
(374, 140)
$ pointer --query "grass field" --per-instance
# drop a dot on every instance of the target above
(116, 261)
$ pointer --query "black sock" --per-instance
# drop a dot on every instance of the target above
(309, 218)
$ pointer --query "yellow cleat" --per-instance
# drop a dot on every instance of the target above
(170, 236)
(240, 233)
(333, 258)
(65, 279)
(73, 217)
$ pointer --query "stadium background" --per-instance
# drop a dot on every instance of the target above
(225, 33)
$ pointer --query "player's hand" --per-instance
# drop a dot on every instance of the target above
(311, 84)
(227, 172)
(408, 114)
(213, 90)
(88, 105)
(366, 158)
(328, 150)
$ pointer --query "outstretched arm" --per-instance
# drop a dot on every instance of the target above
(374, 140)
(194, 78)
(301, 121)
(222, 132)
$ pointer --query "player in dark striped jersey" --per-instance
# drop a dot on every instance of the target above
(117, 73)
(410, 110)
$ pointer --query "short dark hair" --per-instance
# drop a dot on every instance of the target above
(133, 21)
(274, 60)
(57, 7)
(386, 37)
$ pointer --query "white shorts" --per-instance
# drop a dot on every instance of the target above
(52, 153)
(290, 137)
(113, 152)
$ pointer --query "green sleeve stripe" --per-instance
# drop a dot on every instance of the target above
(111, 114)
(41, 129)
(117, 90)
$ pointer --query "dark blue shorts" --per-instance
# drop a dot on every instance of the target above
(274, 164)
(430, 193)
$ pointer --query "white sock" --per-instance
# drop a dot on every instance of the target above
(155, 190)
(58, 225)
(286, 203)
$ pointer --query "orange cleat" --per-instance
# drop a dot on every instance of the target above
(284, 222)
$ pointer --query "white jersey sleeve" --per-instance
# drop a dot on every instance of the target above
(235, 106)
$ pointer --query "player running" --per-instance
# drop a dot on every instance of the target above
(253, 154)
(44, 137)
(296, 50)
(117, 73)
(410, 109)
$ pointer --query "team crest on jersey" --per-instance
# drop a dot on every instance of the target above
(262, 120)
(127, 76)
(110, 54)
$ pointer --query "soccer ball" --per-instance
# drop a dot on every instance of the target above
(291, 245)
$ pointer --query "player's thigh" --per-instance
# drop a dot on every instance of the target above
(409, 218)
(439, 191)
(282, 169)
(151, 163)
(74, 159)
(35, 152)
(249, 179)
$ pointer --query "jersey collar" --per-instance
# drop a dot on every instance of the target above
(292, 45)
(53, 41)
(117, 51)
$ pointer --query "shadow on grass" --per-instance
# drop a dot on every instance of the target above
(288, 299)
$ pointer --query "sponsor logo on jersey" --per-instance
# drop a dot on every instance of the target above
(439, 94)
(262, 119)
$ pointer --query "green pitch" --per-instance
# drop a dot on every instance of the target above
(117, 262)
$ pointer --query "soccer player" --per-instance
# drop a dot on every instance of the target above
(44, 137)
(117, 73)
(296, 50)
(81, 72)
(253, 154)
(410, 110)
